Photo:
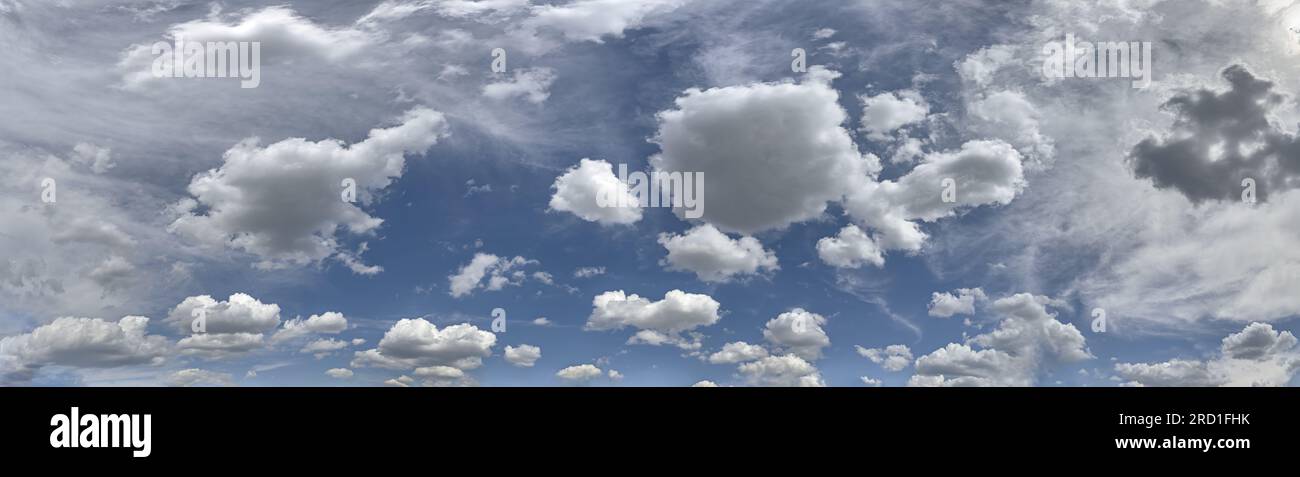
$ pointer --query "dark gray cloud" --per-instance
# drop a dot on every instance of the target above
(1219, 139)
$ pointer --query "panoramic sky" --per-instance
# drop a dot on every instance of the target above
(427, 193)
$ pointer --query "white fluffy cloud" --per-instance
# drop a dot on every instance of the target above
(659, 322)
(233, 326)
(531, 84)
(523, 355)
(982, 172)
(580, 373)
(330, 322)
(339, 373)
(1258, 355)
(1257, 341)
(886, 112)
(715, 257)
(577, 190)
(893, 357)
(281, 31)
(945, 305)
(775, 154)
(1027, 338)
(785, 371)
(80, 342)
(592, 20)
(1011, 117)
(851, 248)
(489, 272)
(799, 332)
(284, 202)
(737, 352)
(772, 154)
(416, 343)
(240, 313)
(99, 159)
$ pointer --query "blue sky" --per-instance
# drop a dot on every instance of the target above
(180, 193)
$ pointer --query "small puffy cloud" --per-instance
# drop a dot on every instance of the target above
(580, 373)
(1221, 138)
(240, 313)
(1257, 355)
(737, 352)
(592, 20)
(851, 248)
(713, 256)
(615, 375)
(199, 377)
(823, 33)
(1257, 341)
(330, 322)
(1028, 338)
(531, 84)
(884, 113)
(705, 384)
(798, 331)
(892, 358)
(945, 305)
(577, 191)
(980, 66)
(415, 343)
(283, 202)
(542, 321)
(982, 173)
(659, 322)
(488, 272)
(588, 272)
(772, 154)
(98, 159)
(783, 371)
(339, 373)
(870, 381)
(80, 342)
(233, 326)
(523, 356)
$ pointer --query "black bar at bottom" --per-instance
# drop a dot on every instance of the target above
(230, 426)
